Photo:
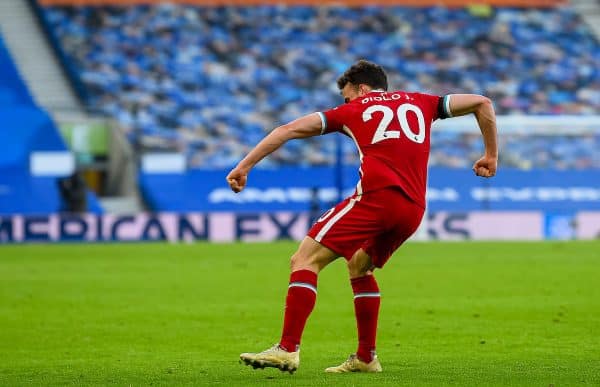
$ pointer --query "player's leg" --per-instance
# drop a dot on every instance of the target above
(360, 265)
(341, 231)
(310, 258)
(366, 303)
(366, 310)
(396, 219)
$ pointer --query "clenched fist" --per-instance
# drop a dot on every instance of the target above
(237, 180)
(486, 166)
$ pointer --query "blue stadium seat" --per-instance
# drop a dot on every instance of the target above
(173, 74)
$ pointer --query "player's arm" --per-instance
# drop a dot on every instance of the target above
(307, 126)
(482, 108)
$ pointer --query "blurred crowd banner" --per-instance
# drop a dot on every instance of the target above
(303, 189)
(417, 3)
(264, 227)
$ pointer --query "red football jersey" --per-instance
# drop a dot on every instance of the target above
(392, 133)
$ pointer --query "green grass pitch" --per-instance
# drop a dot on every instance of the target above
(467, 314)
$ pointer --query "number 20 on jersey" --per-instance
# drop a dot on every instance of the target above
(382, 132)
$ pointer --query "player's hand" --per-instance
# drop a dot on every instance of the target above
(486, 166)
(237, 180)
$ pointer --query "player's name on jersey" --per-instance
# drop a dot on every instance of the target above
(385, 97)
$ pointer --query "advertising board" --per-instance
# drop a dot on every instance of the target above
(266, 227)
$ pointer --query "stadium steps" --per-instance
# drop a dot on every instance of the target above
(589, 10)
(35, 58)
(124, 196)
(50, 88)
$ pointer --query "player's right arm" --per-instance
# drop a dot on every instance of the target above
(307, 126)
(482, 108)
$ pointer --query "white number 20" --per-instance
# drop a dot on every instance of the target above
(388, 115)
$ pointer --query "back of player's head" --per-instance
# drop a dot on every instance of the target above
(364, 72)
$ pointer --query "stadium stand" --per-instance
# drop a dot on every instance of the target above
(208, 81)
(27, 129)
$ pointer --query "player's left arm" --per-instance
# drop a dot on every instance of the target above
(306, 126)
(482, 108)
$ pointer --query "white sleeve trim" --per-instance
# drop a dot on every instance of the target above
(447, 105)
(323, 122)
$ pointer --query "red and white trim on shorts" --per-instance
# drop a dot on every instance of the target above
(336, 218)
(331, 222)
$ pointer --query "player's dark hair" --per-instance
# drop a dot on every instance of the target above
(364, 72)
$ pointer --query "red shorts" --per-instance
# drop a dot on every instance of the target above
(377, 221)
